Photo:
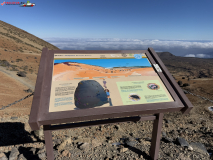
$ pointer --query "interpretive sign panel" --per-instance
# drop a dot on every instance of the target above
(96, 87)
(82, 85)
(81, 81)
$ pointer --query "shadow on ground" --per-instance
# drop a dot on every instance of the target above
(15, 133)
(27, 153)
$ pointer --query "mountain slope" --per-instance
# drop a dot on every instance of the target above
(190, 66)
(20, 40)
(20, 51)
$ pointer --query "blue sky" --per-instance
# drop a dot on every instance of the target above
(113, 62)
(162, 20)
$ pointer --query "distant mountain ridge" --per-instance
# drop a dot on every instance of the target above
(164, 54)
(192, 66)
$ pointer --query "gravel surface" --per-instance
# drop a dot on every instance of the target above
(183, 138)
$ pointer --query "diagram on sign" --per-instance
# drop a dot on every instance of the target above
(119, 79)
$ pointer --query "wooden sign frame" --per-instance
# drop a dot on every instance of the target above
(40, 114)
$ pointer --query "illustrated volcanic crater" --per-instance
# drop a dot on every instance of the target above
(69, 70)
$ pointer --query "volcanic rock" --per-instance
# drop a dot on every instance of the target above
(21, 74)
(89, 94)
(199, 147)
(182, 142)
(180, 83)
(14, 154)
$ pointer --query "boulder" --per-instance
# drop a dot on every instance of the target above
(116, 144)
(41, 150)
(124, 149)
(180, 83)
(42, 155)
(21, 157)
(199, 147)
(182, 142)
(64, 143)
(131, 143)
(84, 146)
(3, 156)
(185, 84)
(167, 140)
(21, 74)
(39, 133)
(33, 150)
(14, 118)
(14, 154)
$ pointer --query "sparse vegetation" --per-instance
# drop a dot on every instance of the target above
(25, 68)
(31, 70)
(18, 60)
(14, 69)
(13, 66)
(4, 63)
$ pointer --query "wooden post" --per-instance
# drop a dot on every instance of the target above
(48, 143)
(156, 135)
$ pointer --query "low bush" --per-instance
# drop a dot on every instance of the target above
(4, 63)
(18, 60)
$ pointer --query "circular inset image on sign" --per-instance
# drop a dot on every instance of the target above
(134, 97)
(124, 55)
(137, 56)
(153, 86)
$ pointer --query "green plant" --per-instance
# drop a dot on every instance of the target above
(17, 60)
(13, 66)
(25, 68)
(3, 65)
(31, 70)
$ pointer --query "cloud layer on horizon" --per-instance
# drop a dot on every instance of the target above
(185, 48)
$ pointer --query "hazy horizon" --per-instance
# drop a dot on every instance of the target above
(183, 48)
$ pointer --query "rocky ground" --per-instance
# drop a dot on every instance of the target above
(184, 137)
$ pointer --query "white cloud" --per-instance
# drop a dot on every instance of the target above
(132, 42)
(190, 55)
(203, 56)
(186, 48)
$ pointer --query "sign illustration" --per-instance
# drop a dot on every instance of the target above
(81, 81)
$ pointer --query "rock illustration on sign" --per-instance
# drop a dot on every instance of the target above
(89, 94)
(134, 97)
(153, 86)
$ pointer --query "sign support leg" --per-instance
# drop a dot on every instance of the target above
(48, 143)
(156, 135)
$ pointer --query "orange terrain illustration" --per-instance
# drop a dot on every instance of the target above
(70, 70)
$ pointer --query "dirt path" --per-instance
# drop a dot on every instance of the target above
(24, 80)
